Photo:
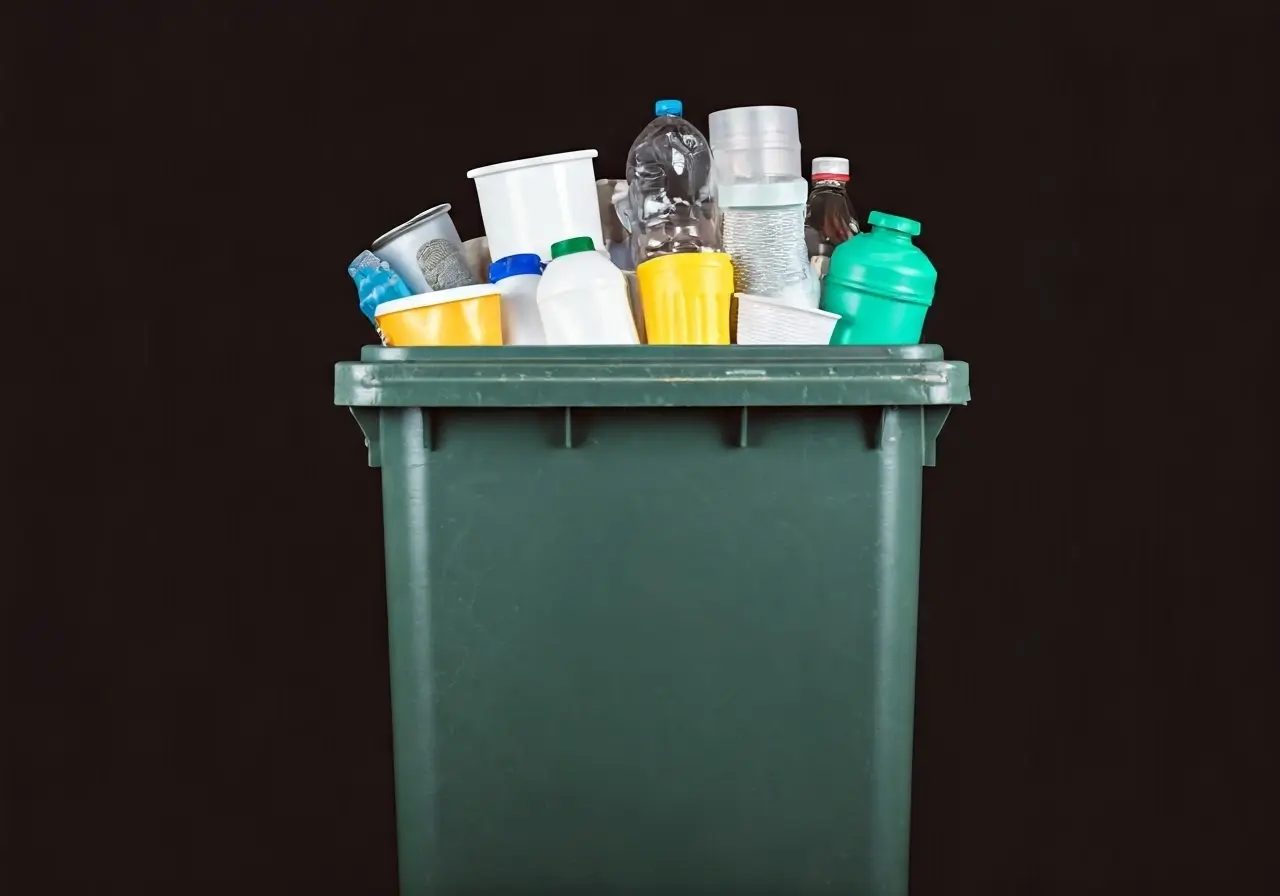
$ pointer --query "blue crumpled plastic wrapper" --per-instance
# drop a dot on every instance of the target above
(375, 283)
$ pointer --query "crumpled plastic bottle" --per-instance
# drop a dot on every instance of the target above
(670, 201)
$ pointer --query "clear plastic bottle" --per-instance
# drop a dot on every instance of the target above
(670, 202)
(829, 215)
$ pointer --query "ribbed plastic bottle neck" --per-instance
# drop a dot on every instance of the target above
(828, 183)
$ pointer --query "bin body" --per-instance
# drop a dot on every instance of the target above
(652, 612)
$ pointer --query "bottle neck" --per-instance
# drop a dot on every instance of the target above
(888, 233)
(823, 180)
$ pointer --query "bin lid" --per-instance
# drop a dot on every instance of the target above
(652, 376)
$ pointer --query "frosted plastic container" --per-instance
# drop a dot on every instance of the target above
(516, 278)
(399, 246)
(764, 321)
(583, 297)
(529, 204)
(755, 143)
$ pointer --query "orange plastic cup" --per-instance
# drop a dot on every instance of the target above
(468, 315)
(686, 298)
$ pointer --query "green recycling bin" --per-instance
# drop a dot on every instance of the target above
(652, 612)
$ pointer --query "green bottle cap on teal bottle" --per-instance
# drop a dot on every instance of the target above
(894, 222)
(885, 262)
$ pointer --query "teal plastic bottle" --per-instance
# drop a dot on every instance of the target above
(880, 284)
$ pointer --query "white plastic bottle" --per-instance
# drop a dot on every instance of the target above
(517, 278)
(583, 297)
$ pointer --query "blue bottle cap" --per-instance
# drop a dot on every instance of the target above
(668, 107)
(514, 265)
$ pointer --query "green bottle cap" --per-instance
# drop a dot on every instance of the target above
(893, 222)
(574, 244)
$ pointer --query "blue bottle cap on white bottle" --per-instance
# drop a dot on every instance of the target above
(514, 266)
(668, 107)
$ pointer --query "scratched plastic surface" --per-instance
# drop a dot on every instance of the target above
(652, 611)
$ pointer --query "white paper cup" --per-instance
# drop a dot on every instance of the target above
(768, 322)
(529, 204)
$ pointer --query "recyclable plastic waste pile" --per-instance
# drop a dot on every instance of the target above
(708, 241)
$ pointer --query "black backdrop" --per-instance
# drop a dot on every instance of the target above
(197, 636)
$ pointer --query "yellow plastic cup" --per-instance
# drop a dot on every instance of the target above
(467, 315)
(686, 298)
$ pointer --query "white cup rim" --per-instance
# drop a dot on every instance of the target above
(421, 218)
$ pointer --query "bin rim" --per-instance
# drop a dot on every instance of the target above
(651, 376)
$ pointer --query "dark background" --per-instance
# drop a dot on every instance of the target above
(197, 634)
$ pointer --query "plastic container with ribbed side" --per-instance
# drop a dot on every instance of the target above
(762, 229)
(652, 611)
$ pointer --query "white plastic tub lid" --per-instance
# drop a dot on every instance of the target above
(502, 167)
(427, 299)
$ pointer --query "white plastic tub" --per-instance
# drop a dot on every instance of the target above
(529, 204)
(764, 321)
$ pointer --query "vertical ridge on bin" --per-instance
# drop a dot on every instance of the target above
(896, 593)
(873, 425)
(406, 506)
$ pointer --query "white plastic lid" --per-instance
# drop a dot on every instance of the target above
(770, 194)
(754, 127)
(426, 299)
(830, 165)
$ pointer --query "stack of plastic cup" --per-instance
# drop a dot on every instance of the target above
(755, 144)
(761, 195)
